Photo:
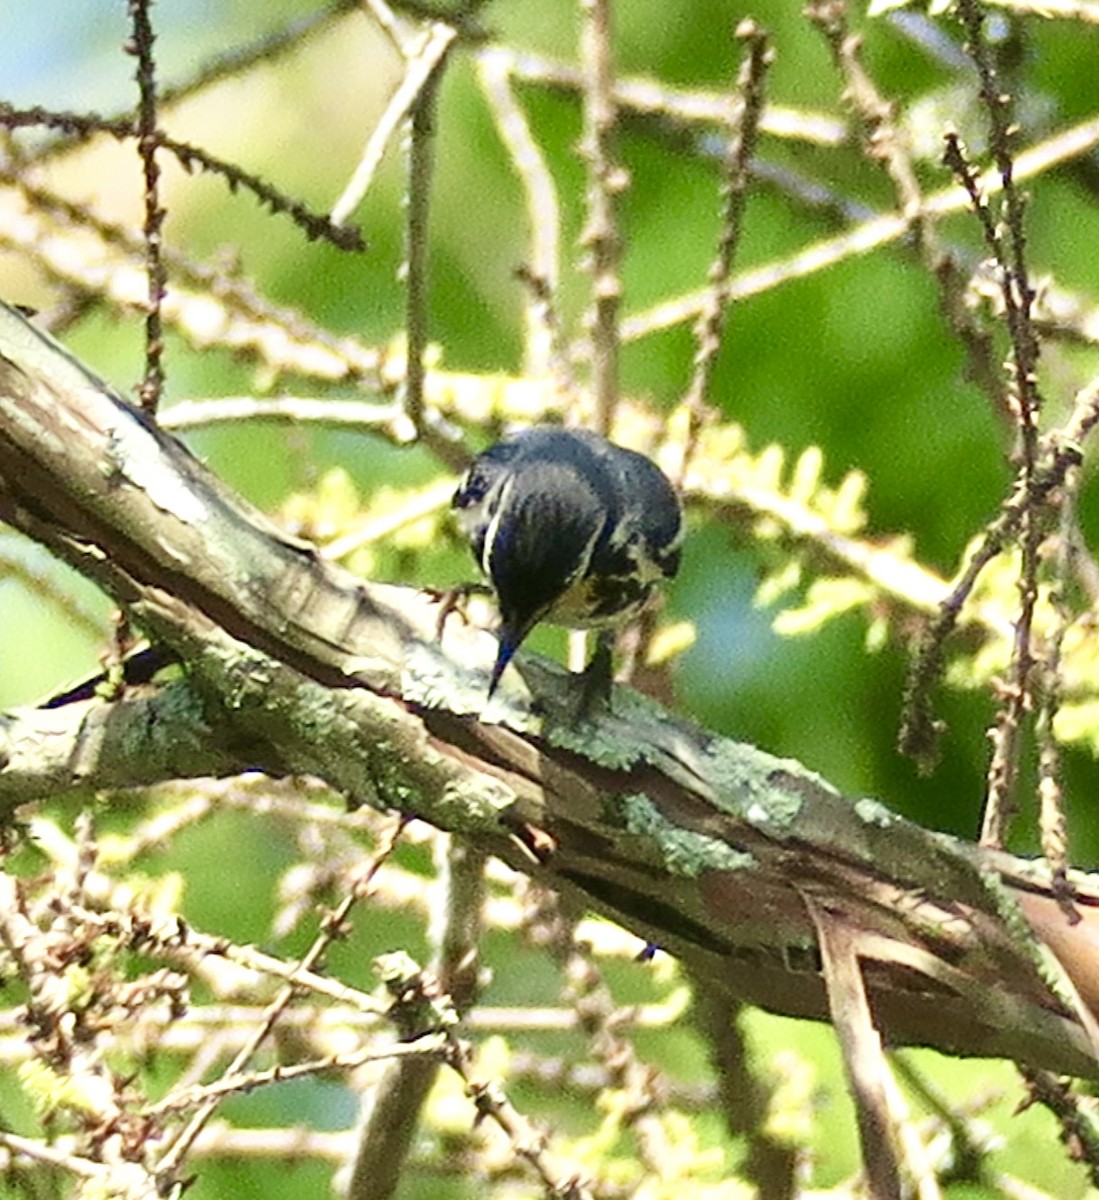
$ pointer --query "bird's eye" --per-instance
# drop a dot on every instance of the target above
(472, 489)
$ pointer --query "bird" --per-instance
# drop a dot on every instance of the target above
(569, 528)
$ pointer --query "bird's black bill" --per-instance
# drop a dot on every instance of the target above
(509, 643)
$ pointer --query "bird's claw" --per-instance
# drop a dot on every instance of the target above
(451, 600)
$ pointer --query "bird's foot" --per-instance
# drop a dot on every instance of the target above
(596, 682)
(452, 599)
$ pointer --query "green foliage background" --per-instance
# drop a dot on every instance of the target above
(856, 360)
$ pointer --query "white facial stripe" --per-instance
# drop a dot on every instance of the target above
(499, 502)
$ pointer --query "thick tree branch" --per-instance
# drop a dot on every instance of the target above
(712, 850)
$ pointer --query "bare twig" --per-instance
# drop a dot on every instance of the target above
(529, 1144)
(542, 345)
(422, 58)
(1075, 1113)
(209, 302)
(334, 926)
(229, 64)
(40, 582)
(920, 729)
(882, 139)
(885, 141)
(546, 340)
(427, 1048)
(605, 181)
(231, 1024)
(314, 227)
(736, 173)
(83, 126)
(51, 1155)
(862, 1050)
(970, 1145)
(656, 98)
(638, 1087)
(913, 1150)
(878, 231)
(140, 46)
(1051, 813)
(425, 503)
(421, 145)
(745, 1093)
(360, 415)
(1035, 484)
(394, 1106)
(1006, 240)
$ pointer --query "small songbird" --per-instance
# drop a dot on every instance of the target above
(571, 529)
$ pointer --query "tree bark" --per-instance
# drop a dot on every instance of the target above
(712, 850)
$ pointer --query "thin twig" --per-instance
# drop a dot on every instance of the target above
(38, 578)
(140, 46)
(863, 1057)
(334, 926)
(1006, 240)
(881, 137)
(637, 1086)
(315, 227)
(426, 502)
(600, 238)
(49, 1154)
(543, 354)
(209, 303)
(229, 64)
(425, 1049)
(396, 1101)
(421, 156)
(358, 415)
(422, 60)
(527, 1142)
(544, 326)
(1075, 1113)
(656, 98)
(913, 1148)
(878, 231)
(736, 174)
(745, 1094)
(179, 942)
(970, 1145)
(1051, 813)
(885, 142)
(920, 729)
(1036, 481)
(83, 126)
(397, 29)
(189, 1032)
